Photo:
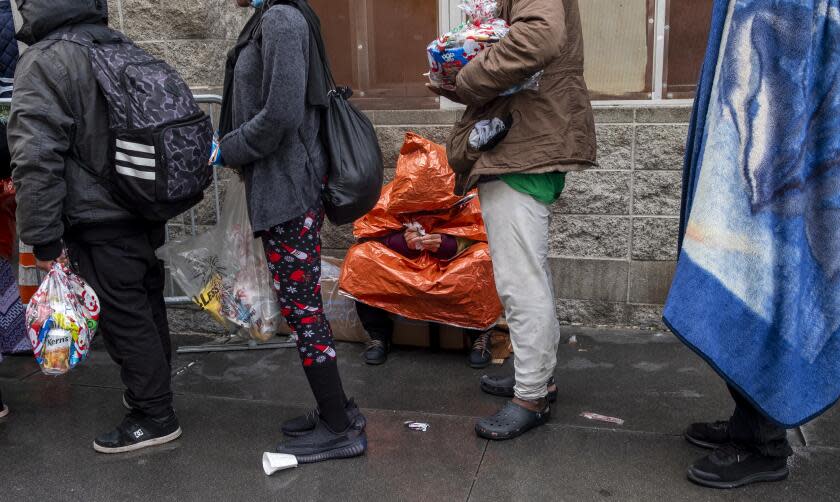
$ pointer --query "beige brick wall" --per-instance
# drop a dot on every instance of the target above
(613, 236)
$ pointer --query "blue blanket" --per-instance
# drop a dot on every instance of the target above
(757, 287)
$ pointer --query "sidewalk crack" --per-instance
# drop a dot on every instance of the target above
(478, 469)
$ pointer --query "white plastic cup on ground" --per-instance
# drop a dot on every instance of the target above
(273, 462)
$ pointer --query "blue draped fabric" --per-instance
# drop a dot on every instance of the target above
(757, 287)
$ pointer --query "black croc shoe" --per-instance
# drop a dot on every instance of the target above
(480, 355)
(325, 444)
(733, 467)
(300, 426)
(511, 421)
(136, 432)
(503, 386)
(709, 435)
(376, 352)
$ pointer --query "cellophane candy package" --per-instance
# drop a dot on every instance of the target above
(224, 271)
(62, 318)
(455, 49)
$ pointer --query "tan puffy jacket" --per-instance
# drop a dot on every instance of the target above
(553, 128)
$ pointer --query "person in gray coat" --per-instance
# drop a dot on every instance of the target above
(275, 96)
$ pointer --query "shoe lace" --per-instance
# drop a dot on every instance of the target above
(482, 343)
(375, 344)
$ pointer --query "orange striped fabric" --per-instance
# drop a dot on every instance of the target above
(27, 273)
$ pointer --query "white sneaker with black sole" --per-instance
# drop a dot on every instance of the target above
(137, 432)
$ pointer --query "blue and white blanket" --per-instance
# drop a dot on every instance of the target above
(757, 287)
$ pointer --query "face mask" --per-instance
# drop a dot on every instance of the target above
(257, 3)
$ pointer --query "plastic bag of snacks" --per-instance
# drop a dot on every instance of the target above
(225, 272)
(453, 50)
(62, 318)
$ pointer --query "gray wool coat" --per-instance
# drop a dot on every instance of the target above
(276, 144)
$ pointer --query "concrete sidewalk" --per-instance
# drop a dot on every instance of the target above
(231, 405)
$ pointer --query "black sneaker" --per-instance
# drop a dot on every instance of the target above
(325, 444)
(376, 352)
(503, 386)
(733, 467)
(710, 435)
(136, 432)
(480, 355)
(511, 421)
(303, 425)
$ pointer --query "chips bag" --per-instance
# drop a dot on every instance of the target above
(62, 318)
(455, 49)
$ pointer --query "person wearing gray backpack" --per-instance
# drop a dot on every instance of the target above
(107, 143)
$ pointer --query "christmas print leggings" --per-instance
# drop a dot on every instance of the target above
(293, 250)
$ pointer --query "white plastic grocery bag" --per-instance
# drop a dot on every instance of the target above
(225, 272)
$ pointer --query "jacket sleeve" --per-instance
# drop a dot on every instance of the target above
(284, 40)
(537, 35)
(40, 137)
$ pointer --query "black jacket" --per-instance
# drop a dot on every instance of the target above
(59, 123)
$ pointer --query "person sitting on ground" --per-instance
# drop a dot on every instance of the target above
(422, 255)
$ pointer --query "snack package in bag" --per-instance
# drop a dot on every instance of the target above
(225, 272)
(61, 319)
(455, 49)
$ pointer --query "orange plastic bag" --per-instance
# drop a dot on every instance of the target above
(460, 292)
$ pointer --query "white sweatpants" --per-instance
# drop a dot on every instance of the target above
(517, 229)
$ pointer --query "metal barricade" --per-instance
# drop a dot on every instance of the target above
(211, 104)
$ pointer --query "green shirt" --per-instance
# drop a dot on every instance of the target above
(545, 187)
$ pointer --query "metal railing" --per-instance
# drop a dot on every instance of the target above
(211, 104)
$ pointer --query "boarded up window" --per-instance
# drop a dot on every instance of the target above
(618, 47)
(685, 45)
(378, 47)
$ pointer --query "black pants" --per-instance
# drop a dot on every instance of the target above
(121, 266)
(750, 428)
(379, 326)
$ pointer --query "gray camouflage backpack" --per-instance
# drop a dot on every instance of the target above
(160, 138)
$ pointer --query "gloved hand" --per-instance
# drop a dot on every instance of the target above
(216, 159)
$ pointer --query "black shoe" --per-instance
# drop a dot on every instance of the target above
(511, 421)
(503, 386)
(480, 355)
(732, 467)
(324, 444)
(709, 435)
(376, 352)
(136, 432)
(300, 426)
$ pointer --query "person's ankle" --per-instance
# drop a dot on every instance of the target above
(535, 406)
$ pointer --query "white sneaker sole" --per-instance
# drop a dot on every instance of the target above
(4, 412)
(139, 446)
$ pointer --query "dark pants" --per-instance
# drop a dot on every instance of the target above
(379, 326)
(121, 266)
(748, 427)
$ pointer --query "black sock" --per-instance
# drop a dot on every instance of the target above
(329, 393)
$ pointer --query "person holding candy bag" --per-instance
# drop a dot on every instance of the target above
(58, 137)
(274, 97)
